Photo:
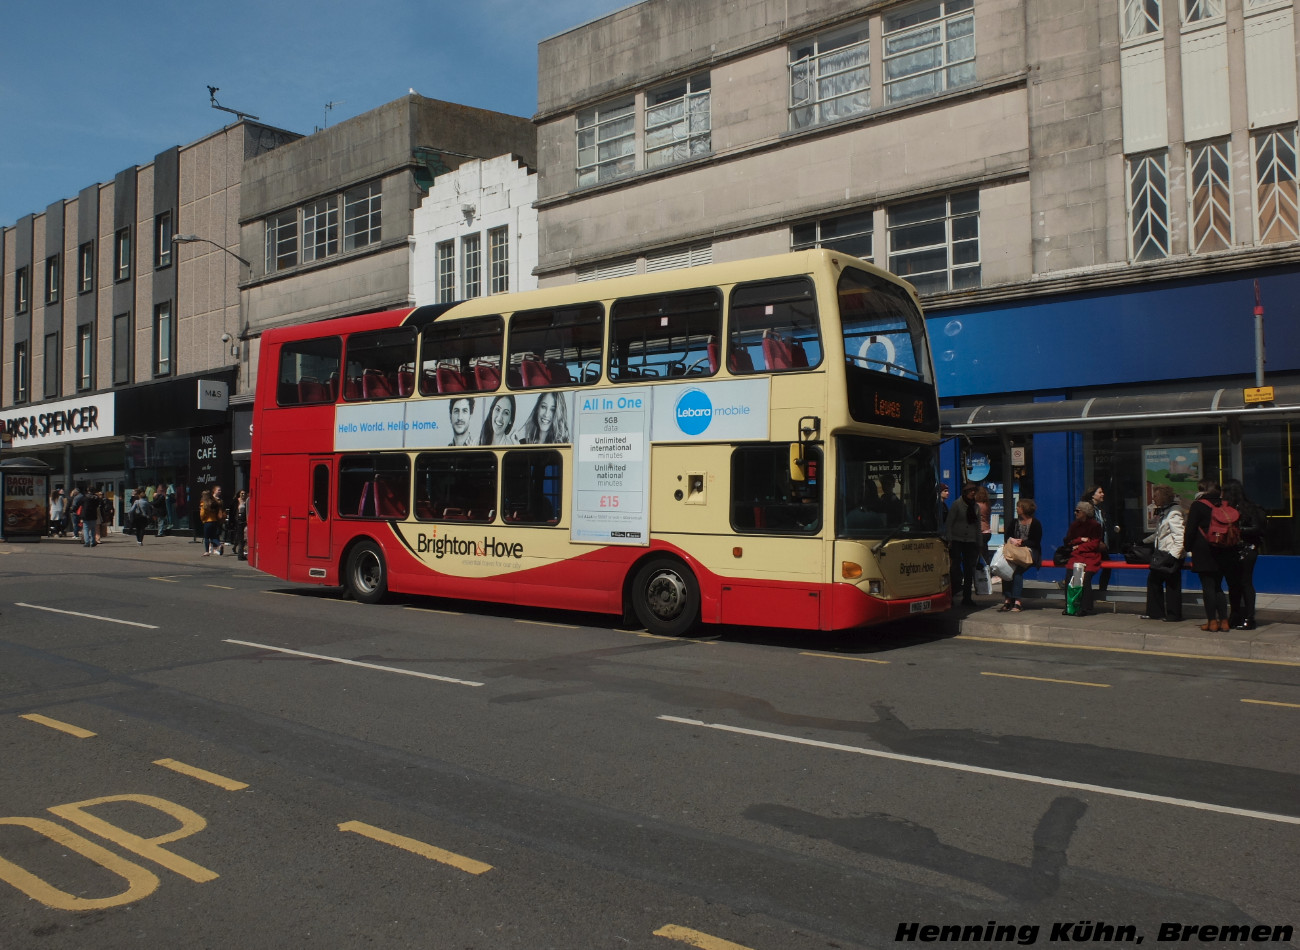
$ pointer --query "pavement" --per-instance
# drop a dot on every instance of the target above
(1116, 624)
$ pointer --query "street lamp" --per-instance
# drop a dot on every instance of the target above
(195, 239)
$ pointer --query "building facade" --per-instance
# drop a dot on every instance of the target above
(1088, 196)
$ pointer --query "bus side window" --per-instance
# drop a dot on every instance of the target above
(773, 327)
(555, 347)
(374, 486)
(763, 496)
(461, 356)
(309, 372)
(380, 364)
(665, 336)
(456, 486)
(531, 487)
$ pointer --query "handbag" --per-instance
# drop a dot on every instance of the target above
(1165, 564)
(1062, 556)
(1002, 567)
(1018, 555)
(1139, 553)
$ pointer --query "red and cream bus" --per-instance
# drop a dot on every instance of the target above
(743, 443)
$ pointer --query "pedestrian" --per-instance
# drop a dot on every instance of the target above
(241, 525)
(1084, 541)
(74, 510)
(210, 518)
(107, 514)
(160, 509)
(985, 505)
(57, 508)
(941, 506)
(1252, 522)
(139, 515)
(1096, 496)
(88, 514)
(963, 534)
(1207, 560)
(1165, 590)
(220, 502)
(1027, 532)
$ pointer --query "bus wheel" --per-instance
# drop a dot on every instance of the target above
(365, 576)
(665, 597)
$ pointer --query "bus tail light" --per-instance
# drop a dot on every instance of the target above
(850, 571)
(737, 552)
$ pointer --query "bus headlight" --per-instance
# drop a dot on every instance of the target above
(850, 571)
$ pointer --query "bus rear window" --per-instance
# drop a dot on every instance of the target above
(555, 347)
(883, 330)
(665, 336)
(309, 372)
(774, 327)
(381, 365)
(461, 356)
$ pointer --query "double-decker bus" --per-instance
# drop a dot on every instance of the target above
(741, 443)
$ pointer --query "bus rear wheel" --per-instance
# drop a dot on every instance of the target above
(366, 575)
(666, 597)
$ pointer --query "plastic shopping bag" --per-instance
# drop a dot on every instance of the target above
(1002, 567)
(1074, 592)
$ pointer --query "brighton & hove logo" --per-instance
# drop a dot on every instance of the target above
(694, 411)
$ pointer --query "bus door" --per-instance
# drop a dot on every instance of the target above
(318, 511)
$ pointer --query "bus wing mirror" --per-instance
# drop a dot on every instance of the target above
(797, 462)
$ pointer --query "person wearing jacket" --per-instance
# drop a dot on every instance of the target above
(210, 516)
(1025, 531)
(1240, 570)
(1084, 541)
(963, 533)
(1207, 561)
(1165, 591)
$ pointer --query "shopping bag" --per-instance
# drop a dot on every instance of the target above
(1001, 566)
(983, 579)
(1073, 600)
(1018, 555)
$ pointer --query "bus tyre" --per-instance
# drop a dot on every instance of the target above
(666, 597)
(366, 575)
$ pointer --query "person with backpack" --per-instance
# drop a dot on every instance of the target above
(1240, 574)
(1209, 540)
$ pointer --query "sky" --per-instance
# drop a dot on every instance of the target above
(89, 88)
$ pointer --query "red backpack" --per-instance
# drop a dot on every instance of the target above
(1224, 530)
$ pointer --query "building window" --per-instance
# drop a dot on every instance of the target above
(677, 123)
(606, 142)
(935, 242)
(361, 216)
(1209, 192)
(499, 261)
(850, 233)
(281, 241)
(830, 77)
(163, 339)
(86, 268)
(53, 363)
(162, 240)
(22, 372)
(22, 289)
(121, 349)
(85, 357)
(1148, 207)
(320, 229)
(1277, 195)
(446, 271)
(1199, 11)
(122, 253)
(471, 251)
(929, 48)
(1140, 18)
(52, 272)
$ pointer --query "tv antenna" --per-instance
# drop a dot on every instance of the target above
(212, 95)
(328, 107)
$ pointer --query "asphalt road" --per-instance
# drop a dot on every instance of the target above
(274, 767)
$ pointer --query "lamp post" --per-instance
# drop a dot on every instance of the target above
(195, 239)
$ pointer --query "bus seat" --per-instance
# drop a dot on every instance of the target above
(310, 391)
(375, 385)
(760, 517)
(424, 510)
(798, 357)
(534, 373)
(361, 505)
(738, 361)
(405, 382)
(712, 350)
(428, 382)
(453, 514)
(488, 376)
(387, 504)
(332, 384)
(558, 373)
(480, 514)
(776, 351)
(451, 380)
(352, 388)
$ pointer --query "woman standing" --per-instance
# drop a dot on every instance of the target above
(140, 512)
(496, 427)
(210, 516)
(1084, 541)
(57, 509)
(1241, 568)
(240, 522)
(1027, 532)
(1165, 591)
(1207, 561)
(963, 532)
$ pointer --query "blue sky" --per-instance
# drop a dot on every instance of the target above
(90, 88)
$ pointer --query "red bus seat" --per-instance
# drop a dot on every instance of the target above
(776, 351)
(387, 504)
(712, 350)
(375, 385)
(352, 388)
(558, 373)
(488, 376)
(534, 373)
(738, 361)
(405, 382)
(424, 510)
(451, 380)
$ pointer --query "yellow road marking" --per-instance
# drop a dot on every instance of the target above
(468, 865)
(1267, 702)
(1080, 646)
(836, 656)
(696, 939)
(140, 882)
(61, 726)
(212, 778)
(1044, 679)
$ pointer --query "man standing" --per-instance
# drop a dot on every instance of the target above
(89, 509)
(964, 541)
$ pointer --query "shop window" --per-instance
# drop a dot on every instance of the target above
(531, 487)
(309, 372)
(764, 497)
(672, 335)
(456, 486)
(773, 327)
(555, 346)
(374, 486)
(461, 356)
(380, 365)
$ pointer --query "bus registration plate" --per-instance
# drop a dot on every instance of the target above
(920, 607)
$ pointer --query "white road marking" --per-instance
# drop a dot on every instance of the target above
(73, 613)
(368, 666)
(994, 773)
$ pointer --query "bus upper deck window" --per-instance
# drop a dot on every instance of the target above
(773, 327)
(665, 336)
(461, 356)
(380, 365)
(883, 330)
(555, 347)
(309, 372)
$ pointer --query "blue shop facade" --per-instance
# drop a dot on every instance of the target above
(1125, 387)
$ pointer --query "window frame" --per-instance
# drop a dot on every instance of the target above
(22, 372)
(1140, 19)
(1209, 196)
(699, 351)
(22, 289)
(394, 464)
(601, 127)
(1145, 222)
(53, 278)
(822, 50)
(327, 353)
(122, 255)
(85, 357)
(320, 229)
(534, 335)
(164, 350)
(952, 13)
(1276, 184)
(122, 355)
(472, 470)
(471, 265)
(363, 207)
(52, 376)
(815, 234)
(445, 268)
(86, 268)
(749, 329)
(162, 240)
(540, 489)
(694, 95)
(960, 208)
(498, 260)
(787, 497)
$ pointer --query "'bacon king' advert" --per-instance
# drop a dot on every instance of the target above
(24, 504)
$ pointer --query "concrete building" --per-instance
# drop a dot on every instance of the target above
(1086, 194)
(115, 371)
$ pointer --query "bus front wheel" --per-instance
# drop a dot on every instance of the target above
(666, 597)
(366, 576)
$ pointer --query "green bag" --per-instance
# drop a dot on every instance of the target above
(1073, 600)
